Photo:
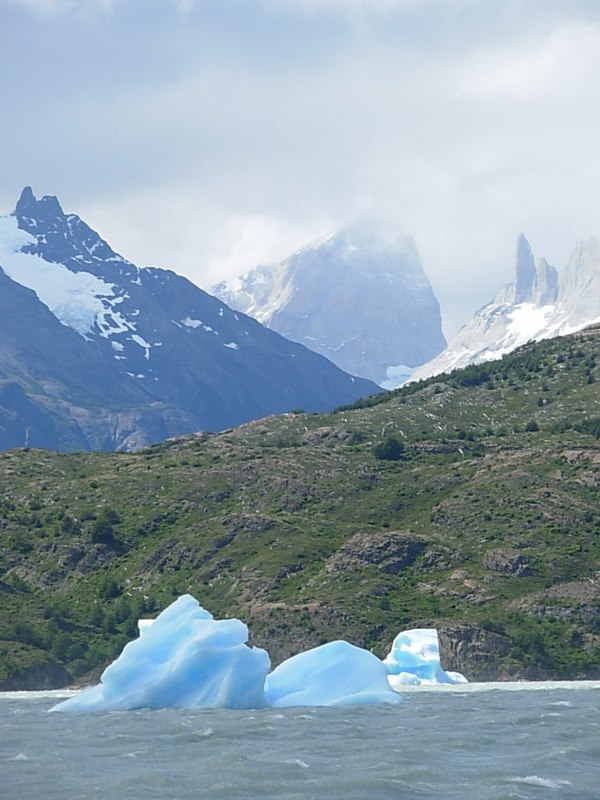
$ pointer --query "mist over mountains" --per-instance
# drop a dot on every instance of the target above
(360, 297)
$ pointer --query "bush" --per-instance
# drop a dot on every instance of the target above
(390, 449)
(103, 532)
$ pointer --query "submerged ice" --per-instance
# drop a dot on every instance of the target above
(187, 659)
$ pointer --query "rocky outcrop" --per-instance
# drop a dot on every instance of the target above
(37, 677)
(507, 563)
(390, 552)
(473, 651)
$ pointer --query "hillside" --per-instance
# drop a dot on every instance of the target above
(468, 502)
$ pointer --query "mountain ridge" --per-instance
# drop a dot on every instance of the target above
(120, 357)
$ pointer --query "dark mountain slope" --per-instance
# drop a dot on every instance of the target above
(98, 354)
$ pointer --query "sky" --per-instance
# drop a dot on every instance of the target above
(208, 136)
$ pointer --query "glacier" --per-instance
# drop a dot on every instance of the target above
(187, 659)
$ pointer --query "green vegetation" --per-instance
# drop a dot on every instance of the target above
(468, 502)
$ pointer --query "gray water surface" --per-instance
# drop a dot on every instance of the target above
(508, 741)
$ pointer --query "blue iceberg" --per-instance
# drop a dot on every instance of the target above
(414, 660)
(334, 674)
(187, 659)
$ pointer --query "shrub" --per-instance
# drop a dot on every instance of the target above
(390, 449)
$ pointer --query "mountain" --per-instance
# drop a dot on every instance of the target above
(534, 307)
(468, 503)
(359, 297)
(96, 353)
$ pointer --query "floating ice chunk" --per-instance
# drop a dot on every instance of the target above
(414, 659)
(185, 659)
(334, 674)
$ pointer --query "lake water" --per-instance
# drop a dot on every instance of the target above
(481, 741)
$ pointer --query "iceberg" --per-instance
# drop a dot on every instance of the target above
(333, 674)
(184, 659)
(187, 659)
(414, 660)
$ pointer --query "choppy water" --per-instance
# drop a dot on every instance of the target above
(482, 741)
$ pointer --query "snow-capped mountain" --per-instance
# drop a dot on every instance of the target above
(534, 307)
(359, 297)
(98, 353)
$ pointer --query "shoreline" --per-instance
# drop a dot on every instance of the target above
(457, 688)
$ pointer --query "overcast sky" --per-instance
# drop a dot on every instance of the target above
(211, 135)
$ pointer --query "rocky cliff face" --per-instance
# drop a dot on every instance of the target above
(534, 307)
(96, 353)
(360, 298)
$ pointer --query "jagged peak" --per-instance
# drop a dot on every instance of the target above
(525, 269)
(28, 205)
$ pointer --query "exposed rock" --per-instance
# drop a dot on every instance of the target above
(472, 651)
(508, 563)
(37, 677)
(575, 601)
(390, 552)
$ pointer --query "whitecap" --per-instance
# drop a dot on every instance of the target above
(298, 763)
(536, 780)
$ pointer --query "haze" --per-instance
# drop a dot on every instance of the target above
(213, 135)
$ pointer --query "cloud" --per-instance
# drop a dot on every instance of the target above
(208, 135)
(56, 7)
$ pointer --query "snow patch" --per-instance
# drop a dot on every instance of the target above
(396, 376)
(142, 343)
(78, 300)
(190, 323)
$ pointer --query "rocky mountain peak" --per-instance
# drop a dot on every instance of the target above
(30, 208)
(526, 272)
(546, 284)
(360, 297)
(97, 353)
(535, 307)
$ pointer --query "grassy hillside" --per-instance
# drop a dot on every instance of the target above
(467, 502)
